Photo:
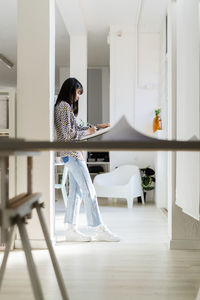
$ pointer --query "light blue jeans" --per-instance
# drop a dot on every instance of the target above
(81, 187)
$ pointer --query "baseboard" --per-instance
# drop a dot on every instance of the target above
(35, 244)
(184, 244)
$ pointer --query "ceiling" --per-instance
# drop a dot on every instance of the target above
(98, 15)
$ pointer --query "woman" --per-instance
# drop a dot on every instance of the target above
(80, 183)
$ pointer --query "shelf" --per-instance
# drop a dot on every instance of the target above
(98, 162)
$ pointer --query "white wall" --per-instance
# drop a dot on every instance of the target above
(122, 82)
(148, 60)
(184, 231)
(122, 73)
(163, 82)
(145, 88)
(146, 93)
(188, 107)
(146, 102)
(161, 157)
(134, 86)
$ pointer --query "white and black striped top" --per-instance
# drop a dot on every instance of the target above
(66, 126)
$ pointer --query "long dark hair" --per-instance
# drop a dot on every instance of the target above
(68, 93)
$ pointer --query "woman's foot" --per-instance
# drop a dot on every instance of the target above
(73, 235)
(103, 234)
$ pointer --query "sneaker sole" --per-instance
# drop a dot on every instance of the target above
(104, 240)
(78, 241)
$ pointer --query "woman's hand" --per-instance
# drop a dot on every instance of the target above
(90, 130)
(104, 125)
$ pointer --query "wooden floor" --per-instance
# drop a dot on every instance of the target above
(139, 267)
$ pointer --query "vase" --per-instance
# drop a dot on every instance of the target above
(157, 123)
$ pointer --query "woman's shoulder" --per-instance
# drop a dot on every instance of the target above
(63, 104)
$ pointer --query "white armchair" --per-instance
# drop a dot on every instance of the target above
(123, 182)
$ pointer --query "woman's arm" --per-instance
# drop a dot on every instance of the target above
(103, 125)
(82, 127)
(98, 126)
(72, 130)
(90, 130)
(68, 124)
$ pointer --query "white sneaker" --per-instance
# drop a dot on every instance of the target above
(73, 235)
(104, 234)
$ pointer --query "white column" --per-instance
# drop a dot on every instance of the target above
(35, 101)
(64, 73)
(78, 68)
(74, 21)
(172, 208)
(184, 230)
(122, 82)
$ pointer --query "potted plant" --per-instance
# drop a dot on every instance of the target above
(157, 122)
(148, 181)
